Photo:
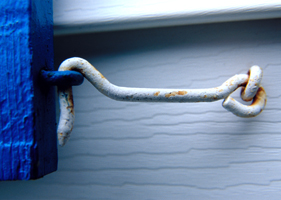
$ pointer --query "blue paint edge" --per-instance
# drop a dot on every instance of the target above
(27, 107)
(41, 40)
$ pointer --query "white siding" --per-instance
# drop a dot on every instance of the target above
(80, 16)
(122, 150)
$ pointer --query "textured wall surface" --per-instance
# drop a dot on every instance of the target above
(123, 150)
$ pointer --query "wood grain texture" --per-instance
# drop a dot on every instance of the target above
(84, 16)
(27, 111)
(123, 150)
(17, 141)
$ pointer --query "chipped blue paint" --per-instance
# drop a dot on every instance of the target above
(26, 46)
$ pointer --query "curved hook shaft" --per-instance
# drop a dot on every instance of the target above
(137, 94)
(241, 110)
(151, 94)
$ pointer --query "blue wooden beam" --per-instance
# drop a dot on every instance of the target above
(28, 148)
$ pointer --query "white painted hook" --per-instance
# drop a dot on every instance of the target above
(251, 81)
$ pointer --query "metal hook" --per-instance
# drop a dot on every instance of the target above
(251, 81)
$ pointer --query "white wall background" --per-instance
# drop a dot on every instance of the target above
(122, 150)
(80, 16)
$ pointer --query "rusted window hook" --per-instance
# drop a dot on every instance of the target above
(250, 83)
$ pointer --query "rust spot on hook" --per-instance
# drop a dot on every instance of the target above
(172, 94)
(101, 76)
(260, 98)
(156, 93)
(70, 103)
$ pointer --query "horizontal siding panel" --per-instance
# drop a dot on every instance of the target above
(169, 144)
(138, 192)
(193, 158)
(206, 178)
(78, 16)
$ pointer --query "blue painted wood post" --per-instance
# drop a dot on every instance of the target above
(28, 147)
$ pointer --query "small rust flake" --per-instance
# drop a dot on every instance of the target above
(182, 92)
(102, 76)
(156, 93)
(71, 109)
(172, 94)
